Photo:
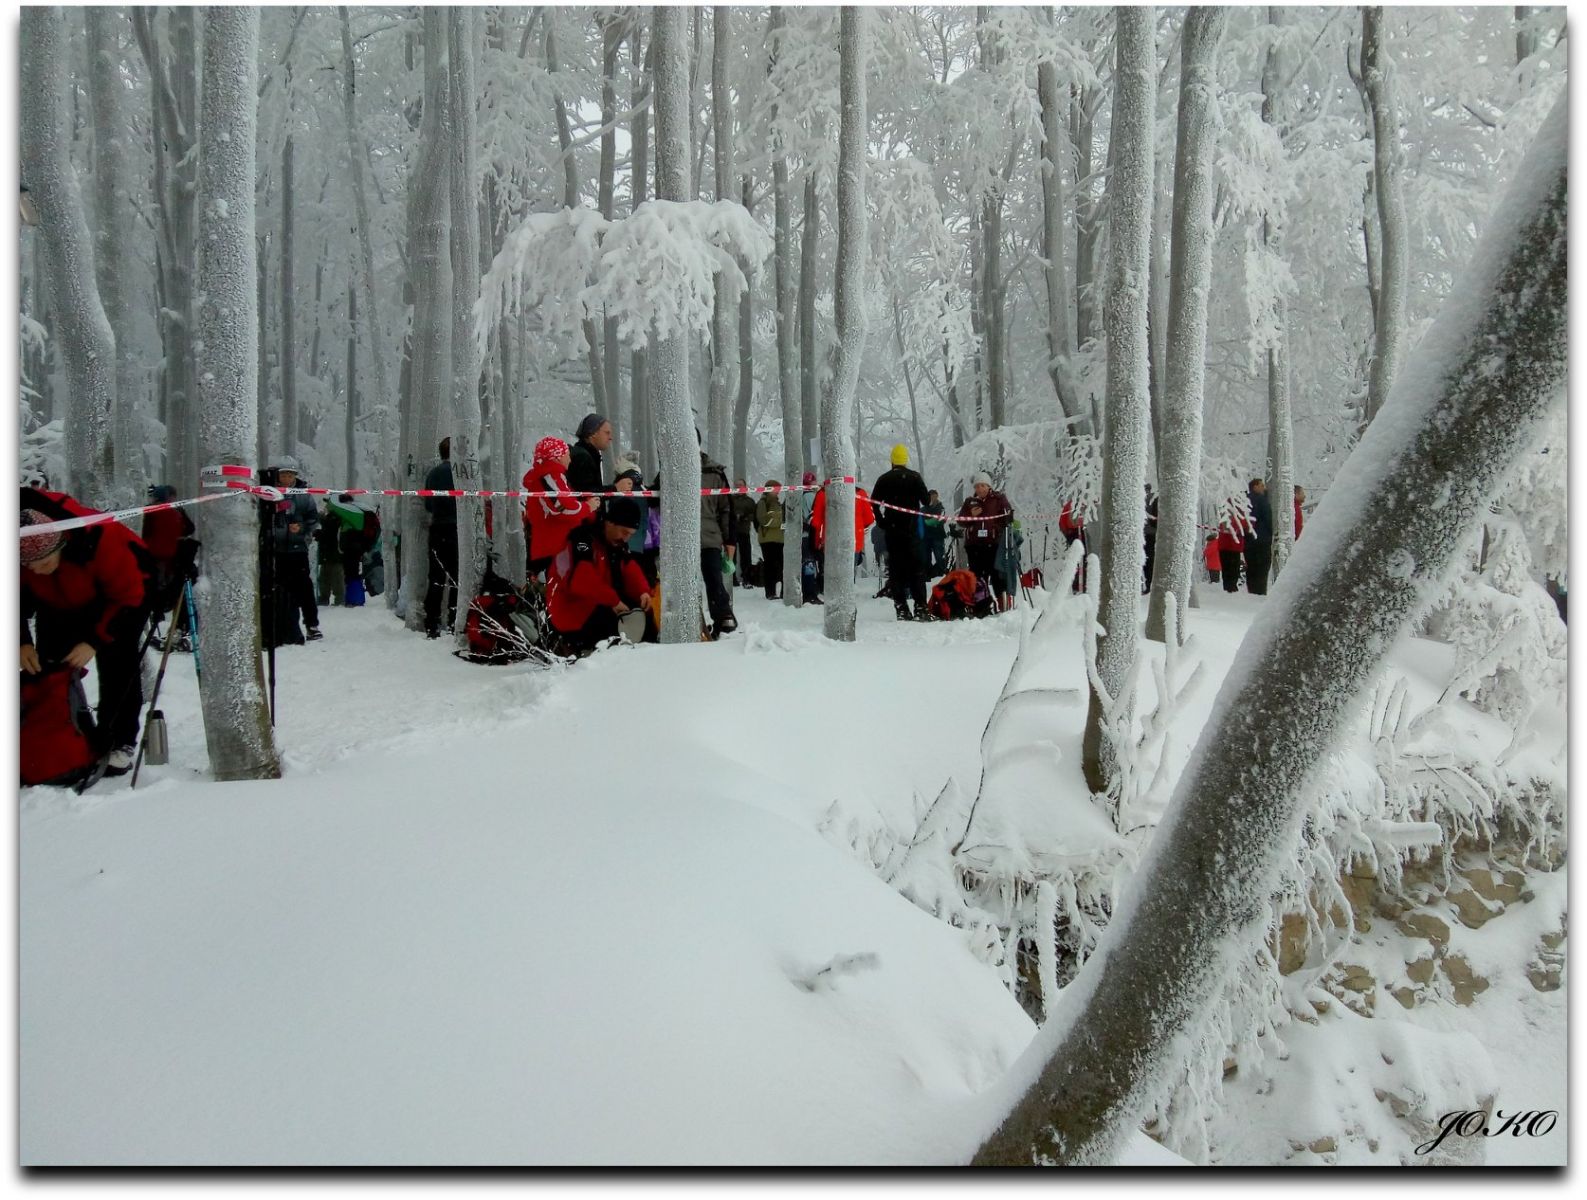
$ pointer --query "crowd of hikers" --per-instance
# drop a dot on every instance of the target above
(99, 594)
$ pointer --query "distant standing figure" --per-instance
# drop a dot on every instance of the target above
(769, 523)
(442, 581)
(1259, 544)
(983, 536)
(936, 535)
(594, 436)
(903, 488)
(1211, 559)
(1300, 500)
(744, 523)
(1231, 544)
(1151, 536)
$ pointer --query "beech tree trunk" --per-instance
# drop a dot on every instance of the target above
(809, 237)
(288, 343)
(1185, 365)
(611, 26)
(232, 687)
(793, 446)
(112, 241)
(430, 266)
(639, 160)
(839, 612)
(1054, 156)
(1122, 517)
(464, 424)
(1387, 176)
(350, 467)
(1375, 554)
(724, 349)
(669, 361)
(87, 344)
(1280, 422)
(746, 361)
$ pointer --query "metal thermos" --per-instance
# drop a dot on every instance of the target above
(156, 746)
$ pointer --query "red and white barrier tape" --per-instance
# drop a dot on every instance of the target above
(120, 514)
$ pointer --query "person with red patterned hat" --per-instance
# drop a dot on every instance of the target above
(548, 520)
(85, 591)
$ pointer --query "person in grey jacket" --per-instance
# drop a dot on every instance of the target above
(718, 539)
(292, 522)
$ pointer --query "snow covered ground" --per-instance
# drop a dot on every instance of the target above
(523, 916)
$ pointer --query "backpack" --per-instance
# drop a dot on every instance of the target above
(954, 595)
(57, 730)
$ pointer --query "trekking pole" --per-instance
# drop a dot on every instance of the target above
(159, 678)
(192, 625)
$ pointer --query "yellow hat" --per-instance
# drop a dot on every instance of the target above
(900, 455)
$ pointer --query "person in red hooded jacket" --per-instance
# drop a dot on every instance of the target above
(1231, 547)
(85, 591)
(548, 520)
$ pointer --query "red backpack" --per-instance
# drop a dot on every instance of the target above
(953, 596)
(57, 729)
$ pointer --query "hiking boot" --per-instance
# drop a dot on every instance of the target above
(432, 633)
(922, 613)
(119, 761)
(727, 624)
(902, 612)
(314, 633)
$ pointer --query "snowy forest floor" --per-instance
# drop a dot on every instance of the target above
(573, 916)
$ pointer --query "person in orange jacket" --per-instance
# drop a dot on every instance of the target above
(864, 518)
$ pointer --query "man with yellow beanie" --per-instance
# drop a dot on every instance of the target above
(899, 498)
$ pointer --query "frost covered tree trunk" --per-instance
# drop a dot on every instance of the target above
(809, 240)
(570, 199)
(1472, 400)
(231, 688)
(350, 466)
(87, 345)
(681, 583)
(611, 26)
(839, 613)
(430, 264)
(175, 186)
(746, 359)
(639, 160)
(1185, 366)
(1082, 117)
(724, 350)
(382, 400)
(112, 246)
(289, 345)
(1388, 182)
(1054, 156)
(793, 446)
(1122, 514)
(464, 424)
(1280, 421)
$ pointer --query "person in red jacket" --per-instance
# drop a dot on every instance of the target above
(548, 520)
(598, 591)
(1211, 558)
(1300, 500)
(85, 592)
(989, 515)
(169, 536)
(1072, 524)
(864, 518)
(1231, 548)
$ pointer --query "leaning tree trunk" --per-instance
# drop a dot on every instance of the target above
(1375, 554)
(1388, 182)
(430, 264)
(231, 688)
(839, 614)
(1054, 155)
(724, 351)
(465, 410)
(87, 345)
(1124, 440)
(669, 361)
(1280, 422)
(1185, 365)
(112, 246)
(793, 447)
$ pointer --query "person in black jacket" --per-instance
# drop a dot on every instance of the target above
(905, 488)
(443, 544)
(1259, 542)
(584, 471)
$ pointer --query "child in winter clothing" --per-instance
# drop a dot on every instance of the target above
(1211, 559)
(550, 519)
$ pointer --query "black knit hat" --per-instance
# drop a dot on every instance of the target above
(623, 511)
(590, 423)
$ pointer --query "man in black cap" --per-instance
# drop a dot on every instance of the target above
(442, 581)
(594, 435)
(600, 590)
